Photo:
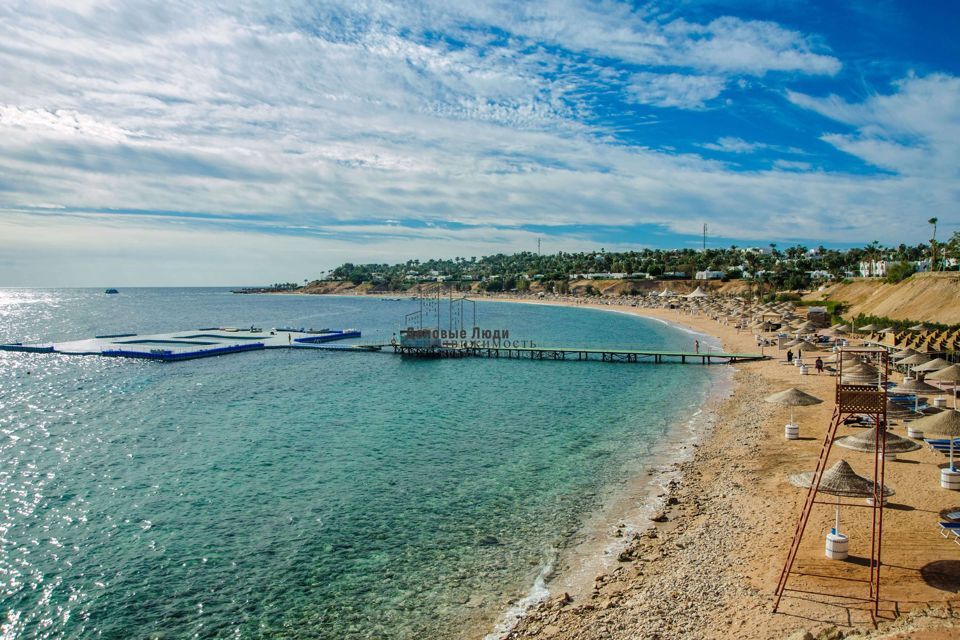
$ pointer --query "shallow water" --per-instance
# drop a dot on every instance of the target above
(303, 494)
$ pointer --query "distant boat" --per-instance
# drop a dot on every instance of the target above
(111, 291)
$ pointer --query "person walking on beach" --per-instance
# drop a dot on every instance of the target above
(696, 345)
(819, 365)
(789, 356)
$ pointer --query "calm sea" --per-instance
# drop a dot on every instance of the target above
(303, 494)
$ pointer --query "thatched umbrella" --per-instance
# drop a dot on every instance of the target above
(949, 374)
(906, 353)
(932, 365)
(860, 372)
(914, 387)
(865, 441)
(861, 368)
(900, 411)
(945, 423)
(919, 358)
(842, 481)
(792, 397)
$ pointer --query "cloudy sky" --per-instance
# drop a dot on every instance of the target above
(246, 142)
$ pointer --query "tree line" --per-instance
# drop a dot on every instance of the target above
(794, 267)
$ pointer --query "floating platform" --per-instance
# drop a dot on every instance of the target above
(200, 343)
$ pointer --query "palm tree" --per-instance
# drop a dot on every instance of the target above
(873, 253)
(933, 245)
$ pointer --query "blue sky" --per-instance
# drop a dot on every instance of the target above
(173, 142)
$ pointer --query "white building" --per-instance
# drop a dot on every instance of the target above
(602, 275)
(874, 268)
(709, 275)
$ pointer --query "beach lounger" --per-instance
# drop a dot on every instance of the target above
(950, 528)
(945, 449)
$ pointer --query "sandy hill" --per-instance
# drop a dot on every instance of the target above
(931, 297)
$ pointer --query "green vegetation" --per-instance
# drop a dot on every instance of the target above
(899, 325)
(900, 272)
(771, 269)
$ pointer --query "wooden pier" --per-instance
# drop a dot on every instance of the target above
(577, 354)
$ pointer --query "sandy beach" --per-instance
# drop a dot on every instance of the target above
(708, 566)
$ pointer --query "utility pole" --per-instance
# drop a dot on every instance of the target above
(933, 245)
(704, 236)
(538, 247)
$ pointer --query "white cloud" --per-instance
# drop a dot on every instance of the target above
(674, 89)
(640, 36)
(751, 47)
(792, 165)
(729, 144)
(912, 131)
(60, 123)
(343, 113)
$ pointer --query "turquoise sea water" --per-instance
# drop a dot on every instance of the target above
(286, 494)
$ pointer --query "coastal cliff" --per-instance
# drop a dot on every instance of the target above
(931, 297)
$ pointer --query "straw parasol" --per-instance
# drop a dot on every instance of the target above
(900, 411)
(861, 367)
(949, 374)
(842, 481)
(920, 358)
(915, 386)
(866, 441)
(806, 345)
(945, 423)
(932, 365)
(859, 372)
(906, 353)
(792, 397)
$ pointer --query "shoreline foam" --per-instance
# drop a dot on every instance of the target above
(629, 511)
